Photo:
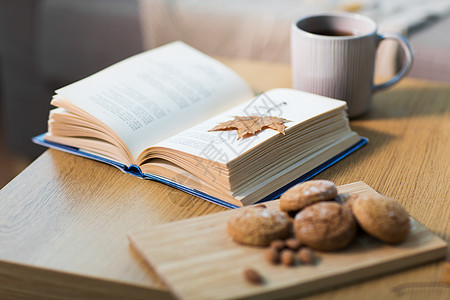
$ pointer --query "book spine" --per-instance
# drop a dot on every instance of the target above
(134, 170)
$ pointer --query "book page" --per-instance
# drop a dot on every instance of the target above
(156, 94)
(224, 146)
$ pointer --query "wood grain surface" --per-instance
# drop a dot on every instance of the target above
(64, 219)
(197, 259)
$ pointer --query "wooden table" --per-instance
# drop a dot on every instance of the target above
(63, 221)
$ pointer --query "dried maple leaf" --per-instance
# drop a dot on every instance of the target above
(250, 125)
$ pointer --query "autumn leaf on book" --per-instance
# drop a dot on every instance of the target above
(250, 125)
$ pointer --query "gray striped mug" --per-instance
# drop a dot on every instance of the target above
(333, 54)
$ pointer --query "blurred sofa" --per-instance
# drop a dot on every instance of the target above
(46, 44)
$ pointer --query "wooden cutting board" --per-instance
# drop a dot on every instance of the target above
(197, 260)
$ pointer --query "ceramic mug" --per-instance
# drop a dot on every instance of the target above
(333, 54)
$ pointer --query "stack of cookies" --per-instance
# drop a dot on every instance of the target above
(318, 217)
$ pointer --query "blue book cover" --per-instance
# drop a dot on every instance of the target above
(135, 171)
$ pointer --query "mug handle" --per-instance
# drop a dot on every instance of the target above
(406, 67)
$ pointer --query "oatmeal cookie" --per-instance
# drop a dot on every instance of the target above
(325, 226)
(306, 193)
(258, 226)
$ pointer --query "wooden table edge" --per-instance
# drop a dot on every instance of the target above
(60, 284)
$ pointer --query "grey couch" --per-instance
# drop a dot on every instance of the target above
(45, 44)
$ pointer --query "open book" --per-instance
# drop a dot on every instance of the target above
(151, 114)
